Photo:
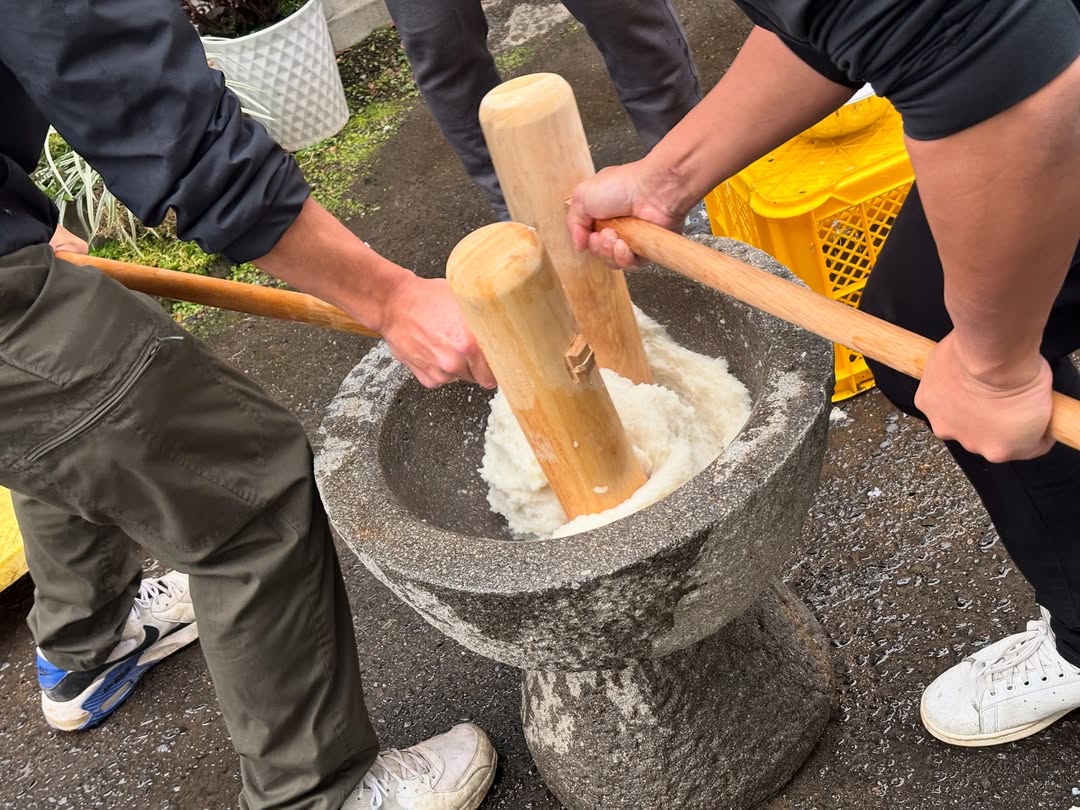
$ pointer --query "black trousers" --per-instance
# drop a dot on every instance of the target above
(1035, 504)
(642, 42)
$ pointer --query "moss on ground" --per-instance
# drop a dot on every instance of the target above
(167, 252)
(511, 61)
(333, 166)
(380, 90)
(376, 69)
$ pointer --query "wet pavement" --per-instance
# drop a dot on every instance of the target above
(897, 559)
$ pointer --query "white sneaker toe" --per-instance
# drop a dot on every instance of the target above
(468, 763)
(451, 771)
(1005, 692)
(947, 709)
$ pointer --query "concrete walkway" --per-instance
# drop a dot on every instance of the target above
(897, 560)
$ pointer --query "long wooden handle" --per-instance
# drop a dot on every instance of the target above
(223, 294)
(879, 340)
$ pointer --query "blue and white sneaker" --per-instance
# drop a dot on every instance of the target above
(162, 621)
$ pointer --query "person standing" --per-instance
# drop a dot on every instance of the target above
(642, 42)
(983, 258)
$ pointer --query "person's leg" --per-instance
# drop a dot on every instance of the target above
(116, 415)
(1035, 505)
(98, 624)
(446, 43)
(648, 58)
(85, 579)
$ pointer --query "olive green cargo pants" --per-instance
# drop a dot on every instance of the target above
(116, 428)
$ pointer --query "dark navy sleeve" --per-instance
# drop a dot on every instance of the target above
(126, 83)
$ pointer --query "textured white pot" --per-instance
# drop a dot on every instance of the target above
(289, 69)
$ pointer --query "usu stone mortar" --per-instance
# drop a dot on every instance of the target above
(664, 664)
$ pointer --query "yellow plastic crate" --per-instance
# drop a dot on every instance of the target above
(822, 207)
(12, 560)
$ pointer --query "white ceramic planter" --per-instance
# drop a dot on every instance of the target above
(290, 71)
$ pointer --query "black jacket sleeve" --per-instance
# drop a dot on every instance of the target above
(126, 83)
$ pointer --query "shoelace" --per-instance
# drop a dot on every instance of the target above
(1031, 655)
(151, 590)
(395, 766)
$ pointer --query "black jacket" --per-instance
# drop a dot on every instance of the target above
(126, 83)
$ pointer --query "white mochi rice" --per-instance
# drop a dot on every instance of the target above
(678, 425)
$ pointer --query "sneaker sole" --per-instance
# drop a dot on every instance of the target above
(72, 715)
(986, 740)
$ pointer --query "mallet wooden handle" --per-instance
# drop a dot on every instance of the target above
(879, 340)
(510, 294)
(224, 294)
(537, 144)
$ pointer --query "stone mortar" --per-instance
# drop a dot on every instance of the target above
(623, 630)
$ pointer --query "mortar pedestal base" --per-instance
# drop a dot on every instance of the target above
(721, 724)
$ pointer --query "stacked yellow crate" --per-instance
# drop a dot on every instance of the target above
(822, 204)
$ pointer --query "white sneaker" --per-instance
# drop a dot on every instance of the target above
(162, 621)
(452, 771)
(1009, 690)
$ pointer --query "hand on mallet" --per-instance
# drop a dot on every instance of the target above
(617, 191)
(426, 331)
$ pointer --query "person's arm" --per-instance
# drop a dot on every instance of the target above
(418, 317)
(126, 83)
(1002, 199)
(767, 96)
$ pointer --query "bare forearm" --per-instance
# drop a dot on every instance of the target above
(767, 96)
(320, 256)
(1002, 199)
(417, 317)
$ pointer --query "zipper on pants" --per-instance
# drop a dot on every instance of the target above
(99, 411)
